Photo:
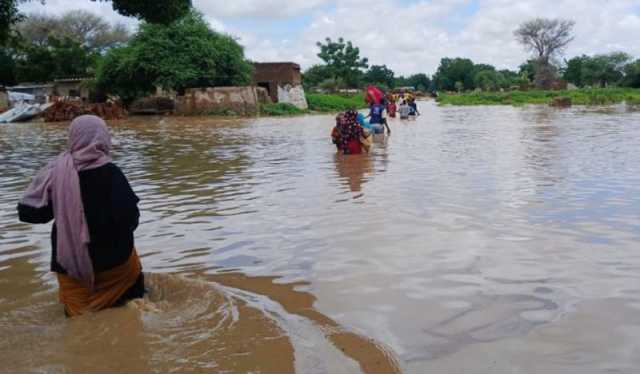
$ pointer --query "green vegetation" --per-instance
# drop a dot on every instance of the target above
(600, 96)
(334, 103)
(280, 109)
(183, 54)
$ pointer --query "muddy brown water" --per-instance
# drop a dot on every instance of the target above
(474, 240)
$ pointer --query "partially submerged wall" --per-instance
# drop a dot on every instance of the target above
(221, 100)
(292, 94)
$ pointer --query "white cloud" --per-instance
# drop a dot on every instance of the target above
(257, 8)
(409, 37)
(58, 7)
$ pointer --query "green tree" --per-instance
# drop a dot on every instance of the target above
(604, 70)
(183, 54)
(632, 74)
(316, 74)
(343, 60)
(381, 75)
(528, 70)
(420, 81)
(573, 70)
(7, 67)
(511, 78)
(9, 16)
(58, 59)
(489, 80)
(452, 71)
(84, 27)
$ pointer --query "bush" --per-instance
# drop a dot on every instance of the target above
(184, 54)
(334, 103)
(599, 96)
(280, 109)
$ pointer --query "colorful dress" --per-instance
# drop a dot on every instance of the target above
(346, 135)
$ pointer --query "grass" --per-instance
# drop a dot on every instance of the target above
(329, 103)
(318, 103)
(280, 109)
(597, 96)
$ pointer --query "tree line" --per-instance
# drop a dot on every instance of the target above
(173, 56)
(546, 39)
(186, 52)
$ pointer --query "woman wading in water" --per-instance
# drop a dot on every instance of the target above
(95, 213)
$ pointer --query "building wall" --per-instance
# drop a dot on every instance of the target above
(4, 101)
(283, 81)
(218, 100)
(281, 72)
(292, 94)
(67, 88)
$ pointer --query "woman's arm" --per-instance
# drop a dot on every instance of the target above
(125, 201)
(30, 214)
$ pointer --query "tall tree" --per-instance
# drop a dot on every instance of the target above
(545, 38)
(84, 27)
(157, 11)
(604, 70)
(454, 74)
(343, 59)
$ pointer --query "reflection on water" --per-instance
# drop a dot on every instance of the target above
(481, 239)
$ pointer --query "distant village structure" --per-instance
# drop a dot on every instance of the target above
(283, 82)
(72, 87)
(273, 82)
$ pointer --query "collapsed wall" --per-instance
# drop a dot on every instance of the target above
(244, 101)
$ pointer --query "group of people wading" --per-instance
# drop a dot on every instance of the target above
(96, 211)
(353, 133)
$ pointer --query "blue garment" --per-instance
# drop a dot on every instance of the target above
(376, 113)
(413, 108)
(377, 128)
(363, 122)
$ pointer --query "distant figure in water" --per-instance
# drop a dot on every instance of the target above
(413, 108)
(391, 105)
(404, 110)
(95, 213)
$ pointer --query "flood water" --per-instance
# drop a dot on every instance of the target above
(474, 240)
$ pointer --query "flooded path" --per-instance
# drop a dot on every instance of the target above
(480, 239)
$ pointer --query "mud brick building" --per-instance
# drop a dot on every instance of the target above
(282, 80)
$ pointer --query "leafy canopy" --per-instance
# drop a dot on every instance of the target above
(84, 27)
(156, 11)
(183, 54)
(343, 60)
(380, 75)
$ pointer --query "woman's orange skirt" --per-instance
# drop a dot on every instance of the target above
(110, 285)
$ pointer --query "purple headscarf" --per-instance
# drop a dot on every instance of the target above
(58, 183)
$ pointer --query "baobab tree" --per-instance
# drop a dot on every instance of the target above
(546, 38)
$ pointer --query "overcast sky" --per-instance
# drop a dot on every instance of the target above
(409, 36)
